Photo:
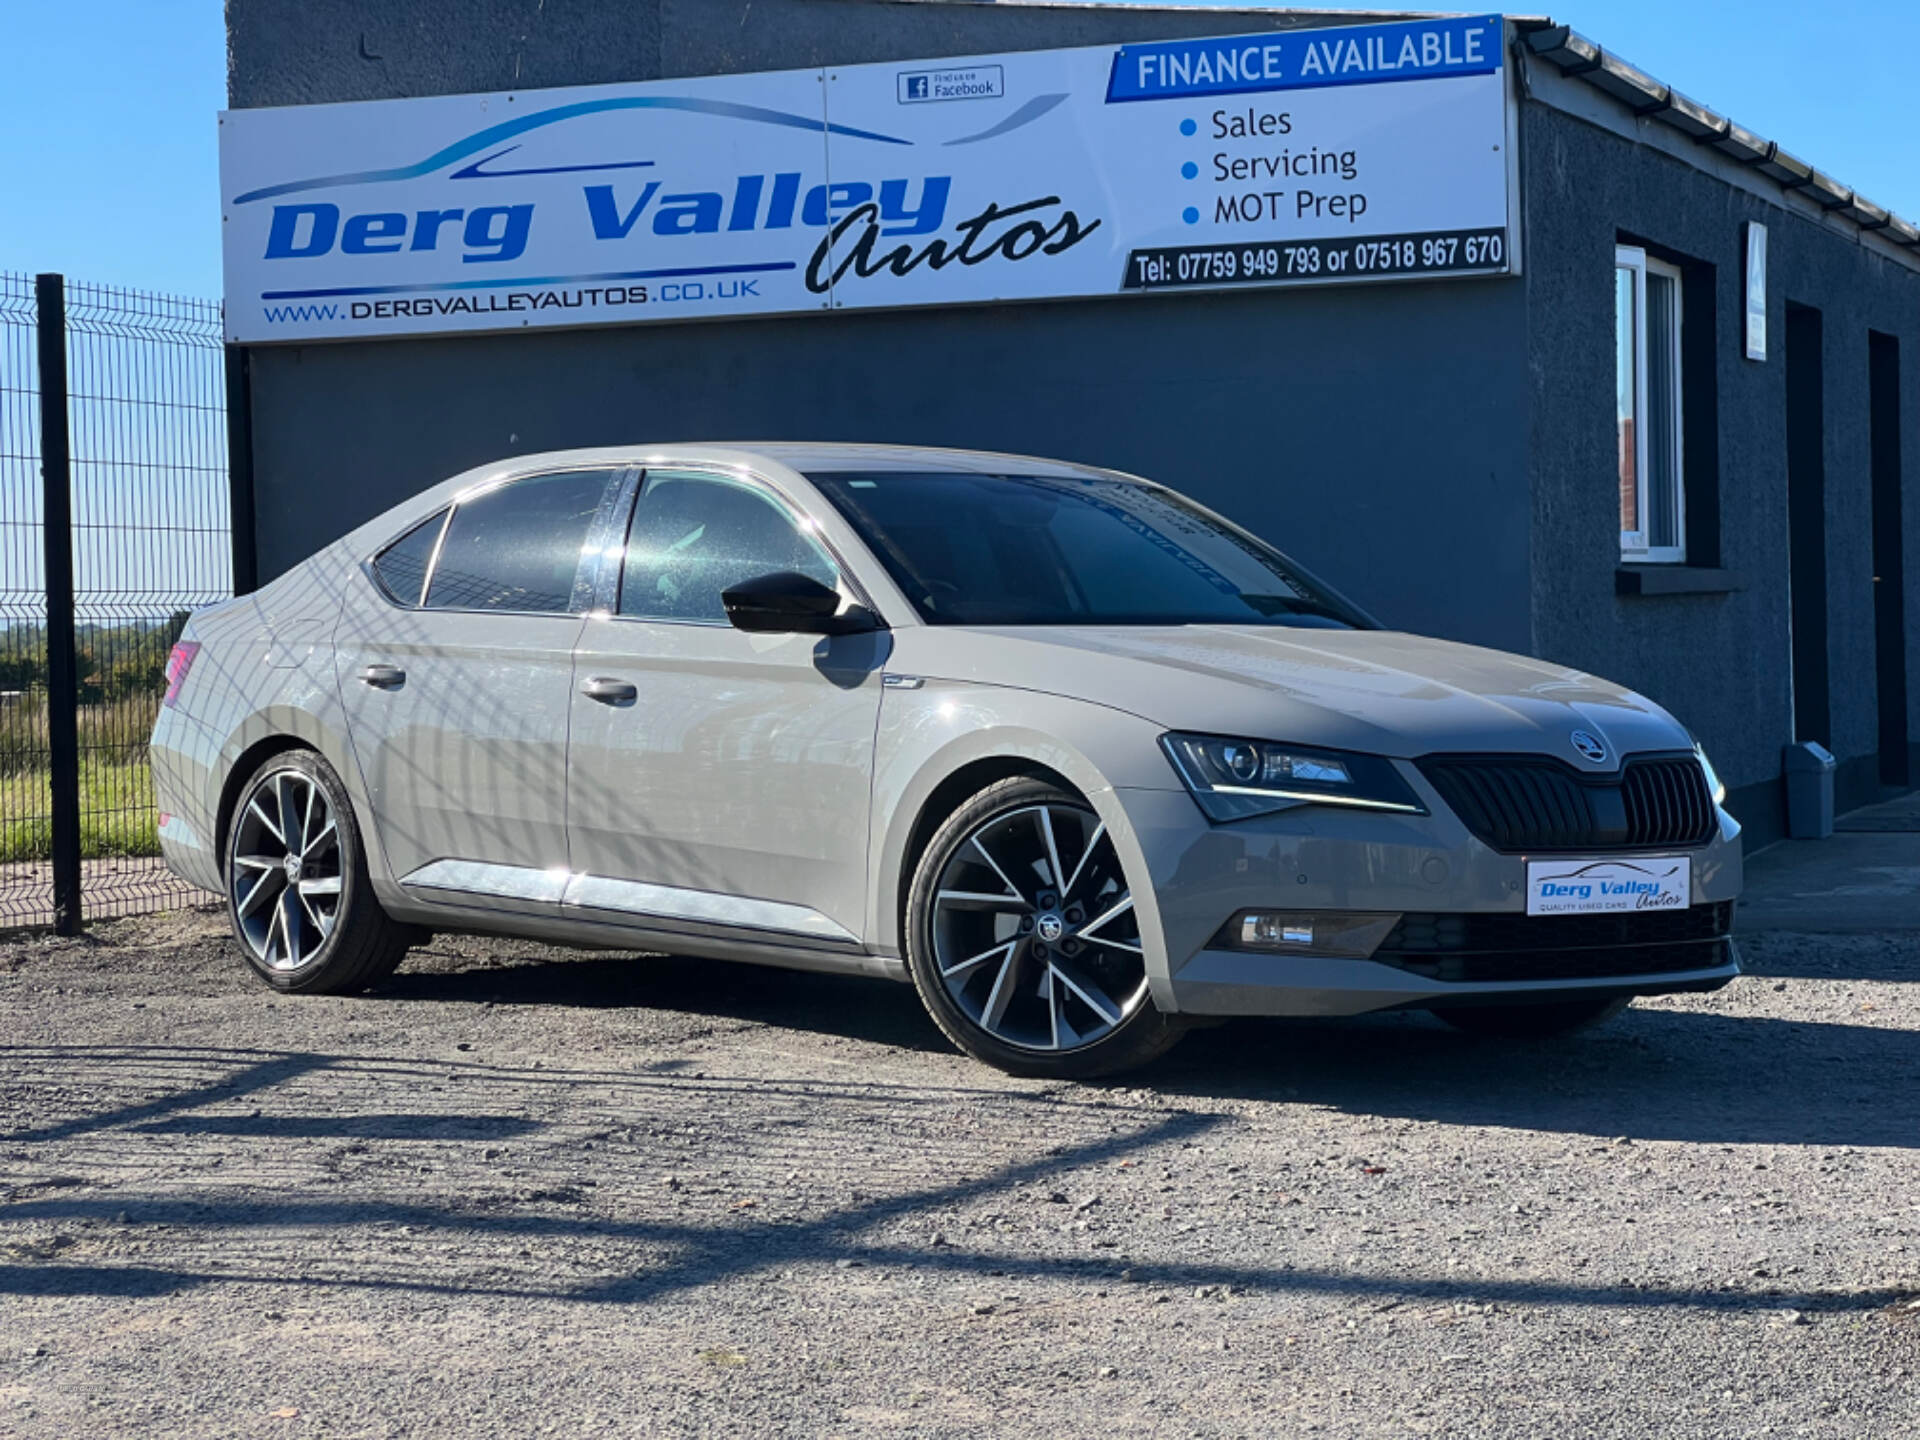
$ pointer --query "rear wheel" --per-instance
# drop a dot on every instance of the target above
(1532, 1022)
(298, 895)
(1023, 940)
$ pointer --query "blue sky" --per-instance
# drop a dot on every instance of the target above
(111, 174)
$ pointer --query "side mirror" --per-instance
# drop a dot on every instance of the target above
(789, 603)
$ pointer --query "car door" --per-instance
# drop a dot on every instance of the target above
(719, 779)
(457, 692)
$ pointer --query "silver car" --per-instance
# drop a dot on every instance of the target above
(1080, 759)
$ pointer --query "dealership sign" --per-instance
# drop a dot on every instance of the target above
(1354, 153)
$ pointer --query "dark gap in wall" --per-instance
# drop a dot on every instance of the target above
(1807, 523)
(1889, 560)
(1761, 809)
(1699, 397)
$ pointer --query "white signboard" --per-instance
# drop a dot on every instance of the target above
(1602, 887)
(1353, 153)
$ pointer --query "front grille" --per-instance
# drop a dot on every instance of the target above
(1535, 803)
(1507, 947)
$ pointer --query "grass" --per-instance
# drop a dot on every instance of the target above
(116, 787)
(114, 733)
(116, 814)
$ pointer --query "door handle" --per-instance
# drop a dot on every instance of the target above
(610, 691)
(383, 677)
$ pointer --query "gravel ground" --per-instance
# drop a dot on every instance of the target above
(522, 1191)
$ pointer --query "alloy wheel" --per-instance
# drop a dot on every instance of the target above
(285, 875)
(1034, 931)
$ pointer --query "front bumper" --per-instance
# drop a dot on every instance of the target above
(1322, 859)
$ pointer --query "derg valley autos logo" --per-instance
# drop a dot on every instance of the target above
(857, 216)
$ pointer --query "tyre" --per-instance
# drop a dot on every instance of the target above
(1532, 1022)
(298, 895)
(1023, 942)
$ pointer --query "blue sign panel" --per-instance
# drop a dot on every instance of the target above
(1307, 59)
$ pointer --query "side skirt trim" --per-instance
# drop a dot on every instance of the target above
(627, 897)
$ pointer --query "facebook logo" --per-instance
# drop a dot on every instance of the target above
(976, 82)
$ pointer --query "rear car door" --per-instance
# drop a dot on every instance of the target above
(719, 779)
(456, 667)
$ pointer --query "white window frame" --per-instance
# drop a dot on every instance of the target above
(1633, 542)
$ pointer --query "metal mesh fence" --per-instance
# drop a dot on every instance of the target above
(150, 543)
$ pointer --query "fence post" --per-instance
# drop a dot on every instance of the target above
(63, 680)
(246, 564)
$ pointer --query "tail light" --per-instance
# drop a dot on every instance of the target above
(179, 662)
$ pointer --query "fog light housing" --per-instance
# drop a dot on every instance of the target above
(1266, 929)
(1306, 932)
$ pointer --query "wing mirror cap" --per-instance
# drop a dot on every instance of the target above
(789, 603)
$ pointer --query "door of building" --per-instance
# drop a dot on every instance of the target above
(1889, 565)
(1807, 524)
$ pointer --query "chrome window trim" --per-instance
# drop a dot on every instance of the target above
(433, 560)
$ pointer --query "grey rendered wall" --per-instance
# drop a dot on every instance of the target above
(1375, 433)
(1720, 662)
(303, 52)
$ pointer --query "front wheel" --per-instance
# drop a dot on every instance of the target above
(1532, 1022)
(298, 895)
(1023, 941)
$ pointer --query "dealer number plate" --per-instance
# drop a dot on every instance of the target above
(1602, 887)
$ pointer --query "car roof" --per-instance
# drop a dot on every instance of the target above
(804, 456)
(823, 458)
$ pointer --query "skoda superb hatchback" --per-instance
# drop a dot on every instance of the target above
(1074, 756)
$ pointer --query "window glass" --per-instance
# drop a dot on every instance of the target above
(1626, 312)
(696, 536)
(1647, 391)
(973, 549)
(518, 547)
(1662, 510)
(402, 566)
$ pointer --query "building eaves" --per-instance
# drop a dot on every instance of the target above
(1577, 56)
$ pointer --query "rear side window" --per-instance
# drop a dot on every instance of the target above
(697, 536)
(402, 566)
(518, 547)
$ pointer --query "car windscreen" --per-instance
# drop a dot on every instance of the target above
(978, 549)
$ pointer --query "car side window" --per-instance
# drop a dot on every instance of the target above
(695, 536)
(517, 547)
(402, 566)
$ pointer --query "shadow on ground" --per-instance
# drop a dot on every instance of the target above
(880, 1011)
(253, 1232)
(1696, 1075)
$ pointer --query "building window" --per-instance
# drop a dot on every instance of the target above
(1646, 304)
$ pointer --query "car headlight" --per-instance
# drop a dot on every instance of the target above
(1234, 779)
(1715, 785)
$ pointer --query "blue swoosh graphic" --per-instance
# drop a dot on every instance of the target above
(494, 134)
(474, 172)
(1025, 115)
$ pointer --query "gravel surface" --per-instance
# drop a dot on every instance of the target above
(522, 1191)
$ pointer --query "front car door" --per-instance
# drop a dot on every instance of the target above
(719, 780)
(458, 679)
